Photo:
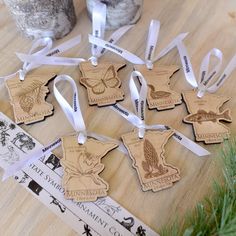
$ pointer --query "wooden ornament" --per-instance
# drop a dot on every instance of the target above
(160, 96)
(82, 165)
(28, 98)
(205, 115)
(149, 160)
(102, 83)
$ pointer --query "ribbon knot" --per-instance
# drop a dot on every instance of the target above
(22, 73)
(73, 113)
(204, 82)
(94, 60)
(82, 137)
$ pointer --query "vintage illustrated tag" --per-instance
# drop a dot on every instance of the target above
(102, 83)
(82, 165)
(205, 115)
(160, 96)
(28, 98)
(149, 160)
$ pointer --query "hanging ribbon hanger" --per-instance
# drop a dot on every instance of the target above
(45, 56)
(150, 48)
(73, 113)
(204, 82)
(98, 31)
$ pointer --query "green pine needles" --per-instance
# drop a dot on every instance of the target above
(216, 215)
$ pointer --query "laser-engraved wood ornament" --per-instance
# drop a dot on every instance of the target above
(148, 159)
(82, 165)
(159, 95)
(205, 115)
(102, 83)
(28, 97)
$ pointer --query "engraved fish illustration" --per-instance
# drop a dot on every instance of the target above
(32, 94)
(158, 94)
(152, 165)
(203, 116)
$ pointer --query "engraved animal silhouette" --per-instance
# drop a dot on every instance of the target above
(203, 116)
(152, 165)
(32, 94)
(158, 94)
(99, 85)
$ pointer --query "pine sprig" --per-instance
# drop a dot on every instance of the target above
(216, 215)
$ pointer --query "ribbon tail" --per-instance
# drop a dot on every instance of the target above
(117, 50)
(190, 145)
(36, 155)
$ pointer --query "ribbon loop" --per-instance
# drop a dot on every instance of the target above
(203, 84)
(151, 42)
(73, 114)
(44, 56)
(99, 23)
(206, 77)
(139, 99)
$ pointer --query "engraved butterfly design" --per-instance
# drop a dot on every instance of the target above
(99, 85)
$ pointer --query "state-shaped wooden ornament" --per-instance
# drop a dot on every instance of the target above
(148, 159)
(160, 96)
(205, 115)
(102, 83)
(82, 166)
(28, 97)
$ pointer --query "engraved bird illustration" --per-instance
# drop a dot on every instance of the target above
(152, 165)
(32, 94)
(203, 116)
(158, 94)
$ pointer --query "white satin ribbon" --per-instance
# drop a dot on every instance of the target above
(153, 34)
(204, 82)
(150, 48)
(45, 56)
(99, 23)
(73, 114)
(138, 119)
(48, 58)
(139, 99)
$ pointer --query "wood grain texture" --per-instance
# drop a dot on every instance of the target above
(211, 24)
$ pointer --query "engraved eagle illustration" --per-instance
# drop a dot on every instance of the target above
(32, 94)
(152, 165)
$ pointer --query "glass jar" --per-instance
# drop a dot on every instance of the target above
(40, 18)
(119, 12)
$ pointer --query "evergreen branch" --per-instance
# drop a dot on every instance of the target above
(215, 215)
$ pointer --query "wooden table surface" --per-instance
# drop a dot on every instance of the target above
(211, 23)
